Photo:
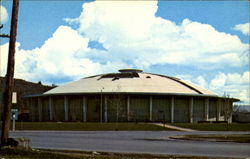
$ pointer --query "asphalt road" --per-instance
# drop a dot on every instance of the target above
(156, 142)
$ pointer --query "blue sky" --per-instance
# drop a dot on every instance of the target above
(204, 42)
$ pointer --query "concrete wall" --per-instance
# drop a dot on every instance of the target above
(45, 109)
(181, 110)
(75, 108)
(93, 108)
(198, 110)
(58, 108)
(212, 110)
(139, 108)
(161, 109)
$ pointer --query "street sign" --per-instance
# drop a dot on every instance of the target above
(14, 97)
(14, 114)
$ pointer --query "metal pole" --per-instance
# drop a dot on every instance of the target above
(10, 75)
(13, 122)
(101, 106)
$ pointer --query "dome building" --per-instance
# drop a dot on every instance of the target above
(129, 95)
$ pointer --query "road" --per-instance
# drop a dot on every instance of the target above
(156, 142)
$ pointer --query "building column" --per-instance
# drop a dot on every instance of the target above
(51, 108)
(206, 109)
(105, 109)
(84, 107)
(128, 108)
(218, 109)
(150, 108)
(191, 108)
(66, 108)
(39, 103)
(172, 109)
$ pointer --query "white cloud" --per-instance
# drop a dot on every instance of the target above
(202, 82)
(63, 56)
(218, 82)
(130, 31)
(3, 15)
(244, 28)
(234, 84)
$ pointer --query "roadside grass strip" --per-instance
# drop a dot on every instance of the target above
(79, 126)
(129, 126)
(10, 153)
(239, 138)
(215, 126)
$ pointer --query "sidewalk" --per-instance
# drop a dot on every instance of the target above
(174, 127)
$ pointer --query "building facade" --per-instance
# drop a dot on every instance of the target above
(128, 96)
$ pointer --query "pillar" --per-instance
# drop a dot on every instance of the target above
(84, 108)
(191, 107)
(50, 108)
(66, 108)
(150, 108)
(172, 109)
(206, 108)
(128, 107)
(105, 109)
(39, 103)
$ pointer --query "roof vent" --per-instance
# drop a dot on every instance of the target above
(130, 71)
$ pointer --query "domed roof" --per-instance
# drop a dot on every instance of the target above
(130, 81)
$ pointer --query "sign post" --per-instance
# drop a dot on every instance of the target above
(14, 116)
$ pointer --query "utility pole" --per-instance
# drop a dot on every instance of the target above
(10, 75)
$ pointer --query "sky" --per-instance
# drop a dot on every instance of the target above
(203, 42)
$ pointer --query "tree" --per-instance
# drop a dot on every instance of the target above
(227, 108)
(117, 101)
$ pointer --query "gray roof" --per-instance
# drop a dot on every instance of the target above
(130, 81)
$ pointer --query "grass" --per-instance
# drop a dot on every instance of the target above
(78, 126)
(241, 138)
(8, 153)
(216, 126)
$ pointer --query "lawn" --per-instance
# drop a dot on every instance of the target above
(241, 138)
(8, 153)
(79, 126)
(215, 126)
